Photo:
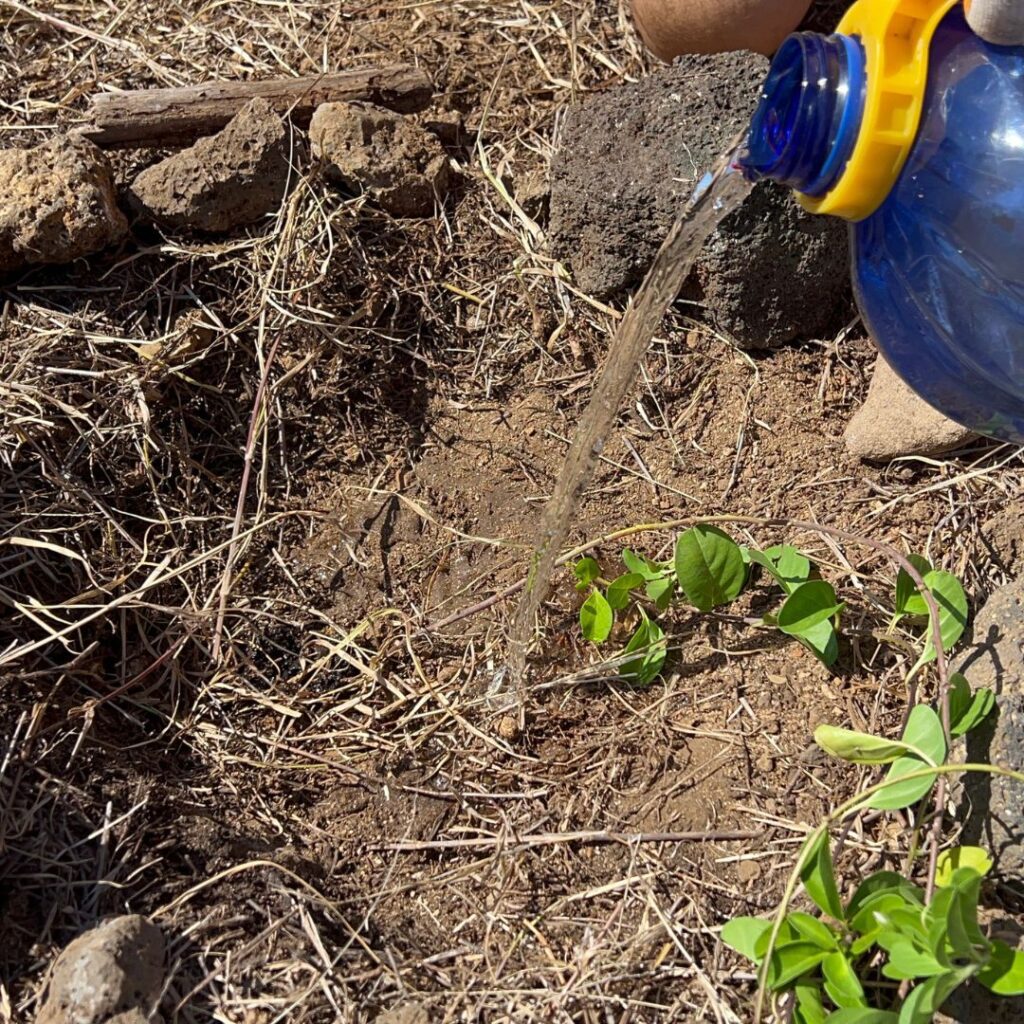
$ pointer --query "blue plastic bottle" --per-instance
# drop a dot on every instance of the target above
(938, 250)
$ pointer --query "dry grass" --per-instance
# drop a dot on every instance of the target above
(221, 706)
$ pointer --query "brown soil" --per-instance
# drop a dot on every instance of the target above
(285, 786)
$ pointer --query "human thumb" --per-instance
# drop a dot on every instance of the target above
(997, 21)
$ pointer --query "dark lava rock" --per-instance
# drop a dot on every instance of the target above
(365, 148)
(627, 163)
(993, 808)
(58, 203)
(226, 180)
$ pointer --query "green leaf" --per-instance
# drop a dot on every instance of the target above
(899, 795)
(819, 878)
(792, 961)
(973, 857)
(954, 916)
(924, 733)
(857, 747)
(649, 642)
(967, 710)
(638, 564)
(596, 618)
(862, 1015)
(823, 642)
(906, 961)
(619, 590)
(883, 883)
(709, 567)
(908, 599)
(878, 911)
(811, 604)
(842, 985)
(926, 1000)
(811, 929)
(952, 601)
(586, 570)
(661, 591)
(1004, 973)
(742, 934)
(809, 1004)
(791, 568)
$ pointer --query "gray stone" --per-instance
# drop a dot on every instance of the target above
(57, 203)
(232, 178)
(628, 162)
(401, 165)
(894, 421)
(108, 975)
(993, 808)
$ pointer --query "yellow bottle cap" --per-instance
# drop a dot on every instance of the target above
(897, 37)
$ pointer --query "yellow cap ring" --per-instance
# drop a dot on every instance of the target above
(896, 36)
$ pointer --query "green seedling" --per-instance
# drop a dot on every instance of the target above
(890, 954)
(709, 570)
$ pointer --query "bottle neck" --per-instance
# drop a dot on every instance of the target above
(812, 104)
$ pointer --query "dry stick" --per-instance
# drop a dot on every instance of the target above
(554, 838)
(168, 117)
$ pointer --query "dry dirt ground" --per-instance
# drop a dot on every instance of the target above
(227, 703)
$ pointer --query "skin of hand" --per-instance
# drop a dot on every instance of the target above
(998, 21)
(672, 27)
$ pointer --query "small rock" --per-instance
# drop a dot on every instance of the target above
(765, 764)
(58, 203)
(232, 178)
(748, 871)
(993, 808)
(894, 421)
(628, 162)
(410, 1013)
(109, 975)
(366, 148)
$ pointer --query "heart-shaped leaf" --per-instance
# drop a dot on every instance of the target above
(952, 601)
(743, 933)
(908, 598)
(709, 567)
(596, 618)
(586, 570)
(811, 604)
(973, 857)
(619, 590)
(1004, 973)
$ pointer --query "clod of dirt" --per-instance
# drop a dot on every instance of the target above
(58, 203)
(627, 164)
(368, 149)
(109, 975)
(894, 421)
(993, 806)
(232, 178)
(410, 1013)
(1004, 536)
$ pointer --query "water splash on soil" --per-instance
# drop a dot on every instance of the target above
(716, 197)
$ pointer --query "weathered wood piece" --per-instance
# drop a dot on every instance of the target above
(177, 117)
